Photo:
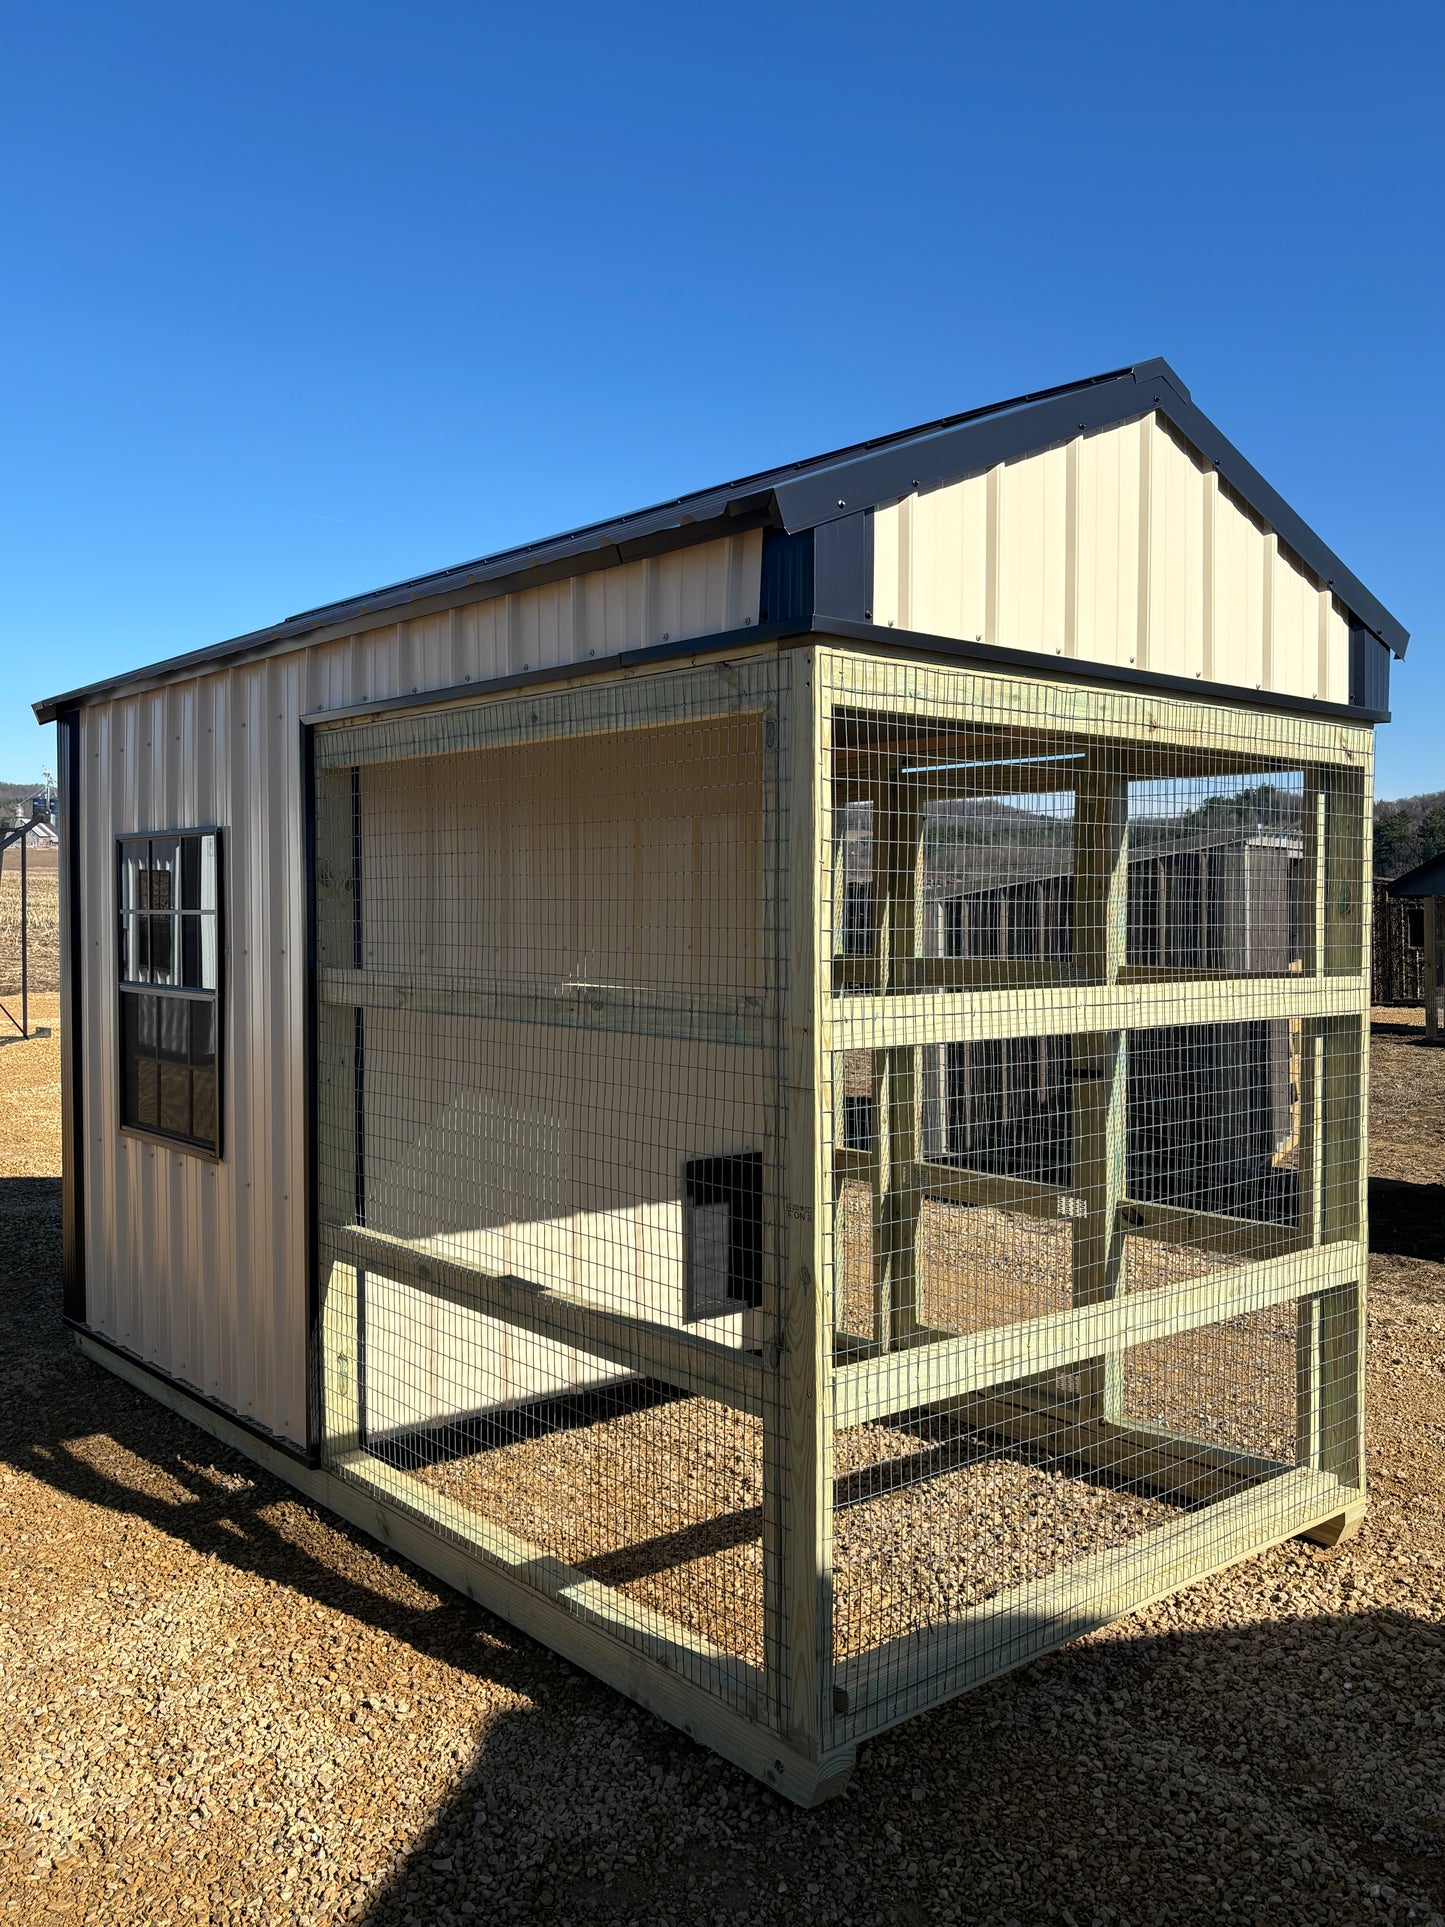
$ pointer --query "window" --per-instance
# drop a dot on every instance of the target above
(170, 950)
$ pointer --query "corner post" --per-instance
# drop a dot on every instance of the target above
(1334, 1139)
(338, 1309)
(797, 1397)
(72, 1008)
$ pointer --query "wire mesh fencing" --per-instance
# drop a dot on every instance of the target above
(839, 1172)
(1094, 1113)
(547, 995)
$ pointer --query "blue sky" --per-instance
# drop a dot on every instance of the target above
(298, 300)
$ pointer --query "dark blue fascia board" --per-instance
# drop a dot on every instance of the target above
(1081, 669)
(950, 453)
(965, 447)
(1369, 670)
(1247, 482)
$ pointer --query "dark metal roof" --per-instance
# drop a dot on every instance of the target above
(810, 494)
(1425, 880)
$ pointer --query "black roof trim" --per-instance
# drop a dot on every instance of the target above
(808, 493)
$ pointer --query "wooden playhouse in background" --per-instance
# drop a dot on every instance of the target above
(774, 1089)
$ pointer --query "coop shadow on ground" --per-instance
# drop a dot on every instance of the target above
(961, 1752)
(1407, 1220)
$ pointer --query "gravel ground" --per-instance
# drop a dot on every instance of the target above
(220, 1705)
(929, 1521)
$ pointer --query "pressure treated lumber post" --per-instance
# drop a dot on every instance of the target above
(1312, 919)
(1311, 1224)
(340, 1284)
(897, 1204)
(1101, 880)
(1432, 970)
(895, 1246)
(797, 1434)
(1333, 1158)
(1345, 878)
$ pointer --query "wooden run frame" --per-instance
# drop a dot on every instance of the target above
(840, 723)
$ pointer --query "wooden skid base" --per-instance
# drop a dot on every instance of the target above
(549, 1616)
(1334, 1532)
(890, 1683)
(659, 1665)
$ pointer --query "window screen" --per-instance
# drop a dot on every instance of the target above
(169, 950)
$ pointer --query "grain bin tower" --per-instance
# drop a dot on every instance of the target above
(775, 1088)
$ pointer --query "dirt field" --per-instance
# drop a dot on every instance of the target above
(42, 891)
(221, 1706)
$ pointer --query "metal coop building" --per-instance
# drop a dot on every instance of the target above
(774, 1089)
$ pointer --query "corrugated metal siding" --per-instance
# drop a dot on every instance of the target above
(200, 1268)
(1120, 548)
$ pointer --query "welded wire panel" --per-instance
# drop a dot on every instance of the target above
(548, 962)
(843, 1173)
(1094, 1121)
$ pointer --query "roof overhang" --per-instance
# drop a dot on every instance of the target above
(807, 494)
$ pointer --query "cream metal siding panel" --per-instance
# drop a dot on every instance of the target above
(200, 1268)
(1334, 650)
(1030, 553)
(1121, 547)
(1174, 586)
(953, 526)
(1296, 667)
(1108, 546)
(196, 1267)
(1238, 596)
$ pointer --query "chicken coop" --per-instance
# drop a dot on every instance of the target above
(774, 1090)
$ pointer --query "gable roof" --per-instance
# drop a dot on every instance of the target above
(810, 494)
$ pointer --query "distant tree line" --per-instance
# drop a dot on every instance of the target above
(1408, 831)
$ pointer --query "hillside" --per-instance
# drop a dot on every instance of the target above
(1408, 830)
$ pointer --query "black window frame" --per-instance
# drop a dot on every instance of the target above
(129, 990)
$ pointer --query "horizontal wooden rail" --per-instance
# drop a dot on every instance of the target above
(964, 1016)
(1212, 1231)
(637, 1010)
(693, 1364)
(876, 1689)
(1147, 1458)
(960, 1184)
(624, 707)
(731, 1678)
(981, 973)
(930, 1373)
(1206, 1231)
(855, 1165)
(917, 704)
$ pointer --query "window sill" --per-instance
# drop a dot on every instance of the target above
(182, 1146)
